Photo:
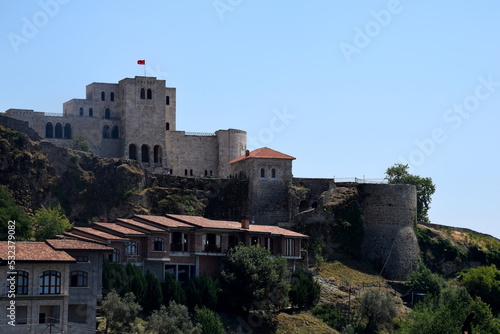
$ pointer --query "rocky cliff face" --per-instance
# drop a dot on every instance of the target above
(89, 188)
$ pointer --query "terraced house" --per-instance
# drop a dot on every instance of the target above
(185, 246)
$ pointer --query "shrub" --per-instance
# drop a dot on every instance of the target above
(202, 291)
(304, 290)
(208, 320)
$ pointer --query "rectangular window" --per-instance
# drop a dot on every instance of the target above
(81, 258)
(21, 313)
(179, 242)
(49, 314)
(269, 244)
(290, 247)
(181, 272)
(211, 242)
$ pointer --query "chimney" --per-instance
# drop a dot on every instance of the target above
(247, 153)
(245, 223)
(104, 220)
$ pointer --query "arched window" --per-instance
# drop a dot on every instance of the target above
(114, 132)
(103, 96)
(67, 131)
(81, 111)
(132, 152)
(91, 112)
(206, 172)
(112, 96)
(143, 94)
(50, 282)
(145, 153)
(49, 130)
(59, 130)
(273, 174)
(107, 113)
(262, 173)
(167, 100)
(190, 172)
(78, 278)
(105, 131)
(150, 94)
(22, 282)
(167, 126)
(131, 248)
(185, 172)
(157, 153)
(158, 244)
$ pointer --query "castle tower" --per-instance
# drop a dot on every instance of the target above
(269, 174)
(147, 112)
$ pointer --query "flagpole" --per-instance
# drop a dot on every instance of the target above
(144, 68)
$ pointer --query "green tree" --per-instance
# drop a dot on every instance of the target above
(119, 312)
(172, 320)
(446, 312)
(424, 281)
(484, 282)
(153, 297)
(210, 323)
(114, 277)
(378, 309)
(136, 282)
(398, 174)
(304, 290)
(50, 222)
(202, 291)
(10, 211)
(252, 279)
(172, 291)
(80, 143)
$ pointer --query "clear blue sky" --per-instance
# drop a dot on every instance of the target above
(349, 88)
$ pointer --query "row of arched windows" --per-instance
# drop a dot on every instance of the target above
(50, 281)
(111, 96)
(145, 151)
(113, 134)
(190, 172)
(107, 113)
(263, 174)
(58, 131)
(91, 112)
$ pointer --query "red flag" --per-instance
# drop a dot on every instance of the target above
(141, 62)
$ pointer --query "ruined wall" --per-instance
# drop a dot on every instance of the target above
(389, 212)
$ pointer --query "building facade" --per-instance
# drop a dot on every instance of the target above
(186, 246)
(50, 290)
(136, 119)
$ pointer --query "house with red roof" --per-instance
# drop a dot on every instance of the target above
(186, 246)
(51, 286)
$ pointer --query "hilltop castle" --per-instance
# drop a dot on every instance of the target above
(136, 119)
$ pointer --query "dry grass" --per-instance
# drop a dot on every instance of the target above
(301, 323)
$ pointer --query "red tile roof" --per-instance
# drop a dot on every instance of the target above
(34, 251)
(119, 229)
(140, 225)
(264, 153)
(163, 221)
(89, 232)
(73, 244)
(202, 222)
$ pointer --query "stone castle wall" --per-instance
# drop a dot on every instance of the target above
(136, 118)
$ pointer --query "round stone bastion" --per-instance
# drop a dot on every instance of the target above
(389, 213)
